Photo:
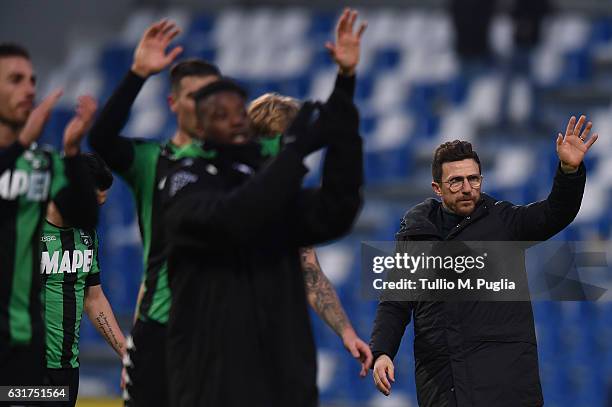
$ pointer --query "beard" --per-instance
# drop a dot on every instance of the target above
(14, 124)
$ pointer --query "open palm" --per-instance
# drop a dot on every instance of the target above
(150, 56)
(345, 51)
(572, 147)
(77, 127)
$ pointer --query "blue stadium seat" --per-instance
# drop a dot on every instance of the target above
(201, 24)
(386, 59)
(385, 165)
(114, 62)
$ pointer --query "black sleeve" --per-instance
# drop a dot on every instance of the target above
(330, 211)
(77, 202)
(391, 320)
(92, 280)
(199, 211)
(541, 220)
(9, 155)
(345, 84)
(104, 137)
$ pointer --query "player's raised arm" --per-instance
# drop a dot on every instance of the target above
(346, 52)
(150, 57)
(30, 132)
(76, 201)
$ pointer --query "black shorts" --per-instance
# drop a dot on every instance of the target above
(63, 377)
(146, 367)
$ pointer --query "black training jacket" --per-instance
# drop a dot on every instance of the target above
(239, 331)
(477, 354)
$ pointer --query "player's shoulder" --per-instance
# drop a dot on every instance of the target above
(41, 156)
(148, 144)
(186, 173)
(42, 150)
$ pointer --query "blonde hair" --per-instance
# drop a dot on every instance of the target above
(271, 113)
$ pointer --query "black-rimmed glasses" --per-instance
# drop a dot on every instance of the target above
(456, 183)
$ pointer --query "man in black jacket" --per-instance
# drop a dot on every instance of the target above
(239, 332)
(477, 353)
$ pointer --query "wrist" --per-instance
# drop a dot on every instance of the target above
(140, 71)
(568, 169)
(348, 333)
(25, 142)
(346, 71)
(71, 151)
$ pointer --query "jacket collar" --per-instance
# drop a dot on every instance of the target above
(421, 219)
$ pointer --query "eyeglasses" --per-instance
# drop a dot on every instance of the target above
(456, 183)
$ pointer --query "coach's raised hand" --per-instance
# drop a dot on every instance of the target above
(345, 51)
(77, 127)
(572, 147)
(36, 121)
(150, 56)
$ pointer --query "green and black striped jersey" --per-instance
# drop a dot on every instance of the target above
(151, 160)
(68, 265)
(146, 177)
(28, 179)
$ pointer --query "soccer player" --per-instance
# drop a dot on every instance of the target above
(142, 164)
(239, 332)
(270, 116)
(71, 284)
(477, 353)
(29, 178)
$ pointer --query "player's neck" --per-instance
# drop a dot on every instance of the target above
(54, 217)
(181, 138)
(8, 134)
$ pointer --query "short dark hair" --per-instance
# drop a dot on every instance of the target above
(222, 85)
(191, 67)
(13, 50)
(101, 174)
(450, 151)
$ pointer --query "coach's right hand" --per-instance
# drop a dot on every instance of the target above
(384, 374)
(150, 56)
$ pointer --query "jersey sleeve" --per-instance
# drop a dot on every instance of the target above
(142, 171)
(94, 273)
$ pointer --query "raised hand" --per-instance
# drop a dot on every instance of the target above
(38, 117)
(572, 147)
(77, 127)
(150, 56)
(345, 52)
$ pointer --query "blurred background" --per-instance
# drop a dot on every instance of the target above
(503, 74)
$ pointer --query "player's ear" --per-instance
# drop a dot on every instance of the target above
(172, 101)
(436, 188)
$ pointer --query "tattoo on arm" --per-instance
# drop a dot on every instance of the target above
(106, 330)
(321, 293)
